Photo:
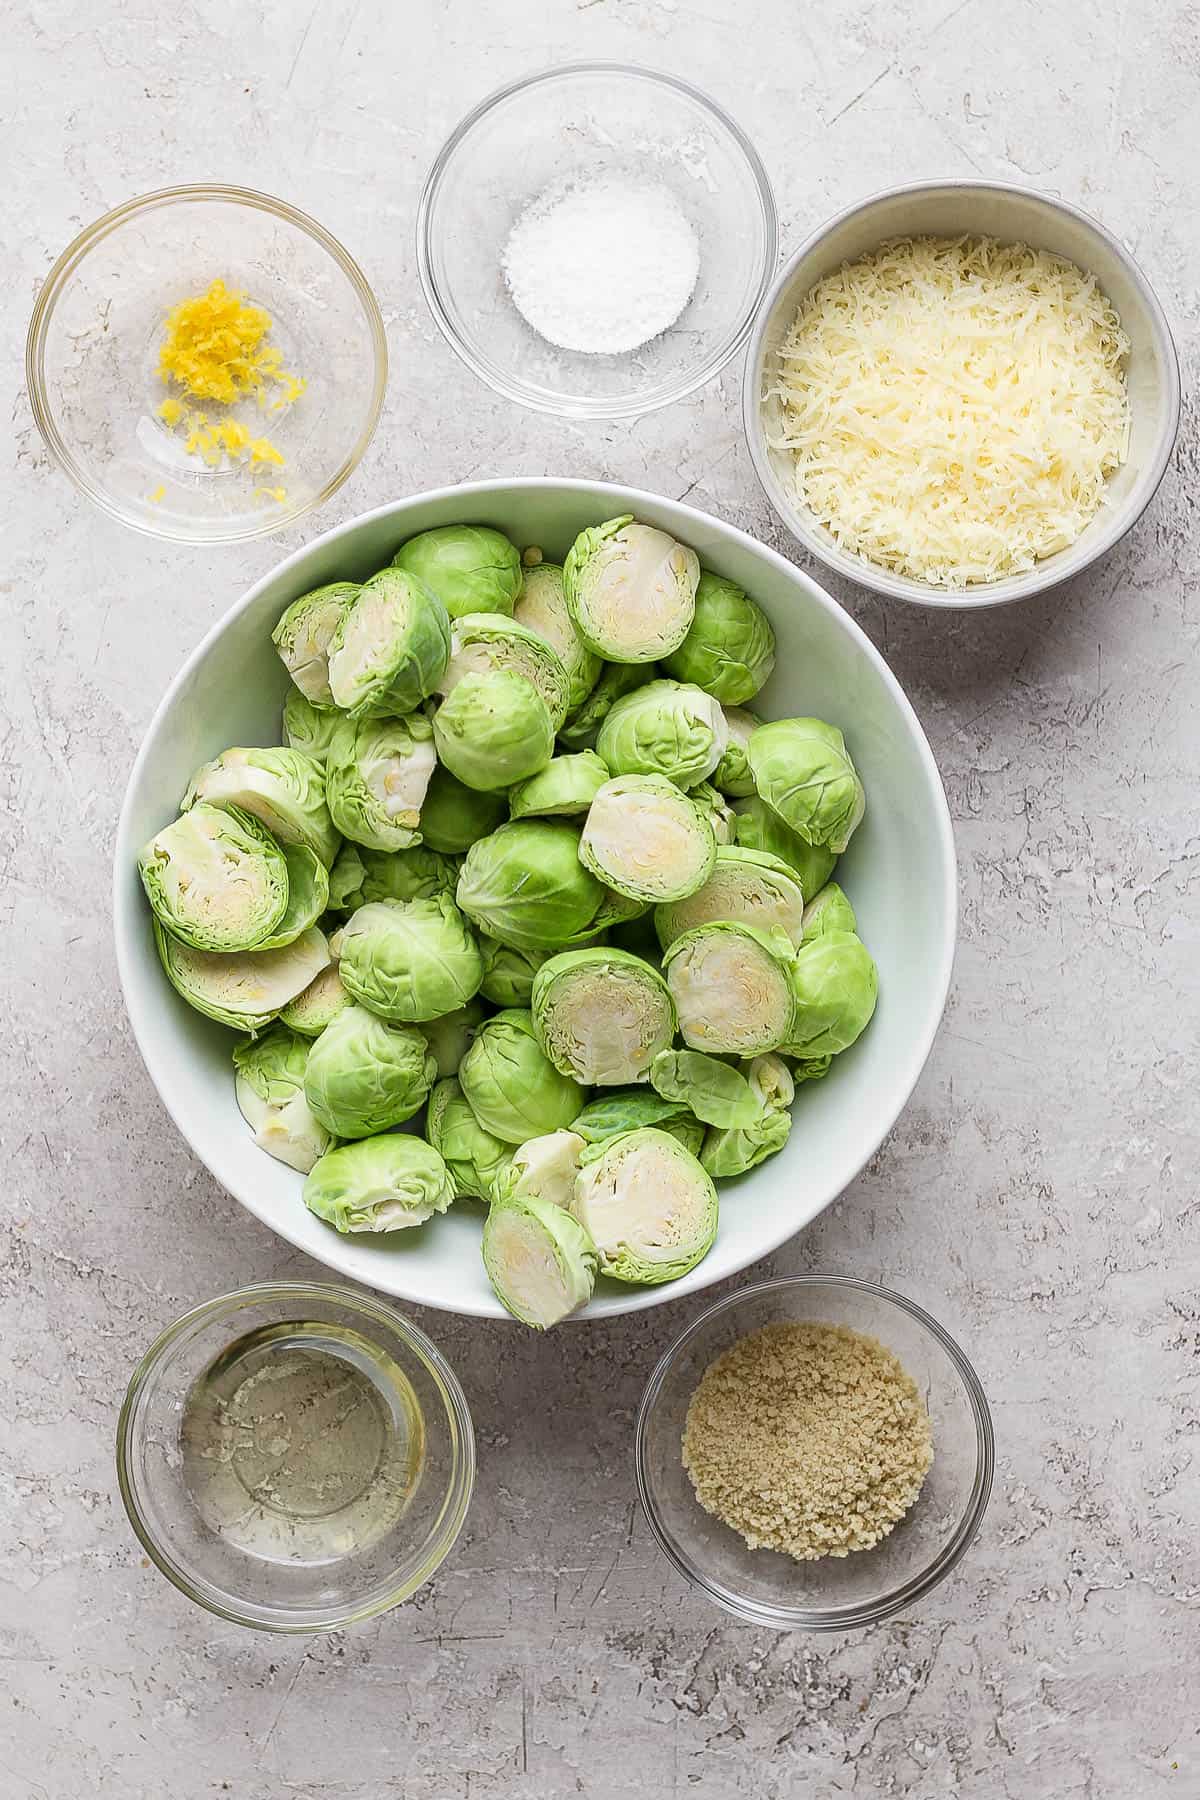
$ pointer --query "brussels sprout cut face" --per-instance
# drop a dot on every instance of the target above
(544, 1168)
(376, 777)
(646, 839)
(217, 879)
(730, 649)
(631, 590)
(758, 828)
(493, 730)
(409, 960)
(665, 728)
(732, 987)
(648, 1206)
(381, 1184)
(483, 642)
(389, 651)
(542, 607)
(475, 1159)
(746, 886)
(564, 788)
(303, 635)
(453, 817)
(601, 1016)
(364, 1074)
(471, 568)
(526, 886)
(835, 984)
(283, 789)
(244, 989)
(539, 1259)
(322, 1000)
(732, 774)
(803, 771)
(513, 1088)
(269, 1085)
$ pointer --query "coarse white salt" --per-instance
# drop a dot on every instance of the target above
(602, 265)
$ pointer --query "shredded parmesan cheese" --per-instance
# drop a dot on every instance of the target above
(216, 350)
(954, 407)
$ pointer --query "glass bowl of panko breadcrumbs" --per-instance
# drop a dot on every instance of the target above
(207, 363)
(814, 1453)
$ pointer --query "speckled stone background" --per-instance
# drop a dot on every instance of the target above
(1039, 1194)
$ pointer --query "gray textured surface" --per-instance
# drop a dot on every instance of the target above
(1039, 1193)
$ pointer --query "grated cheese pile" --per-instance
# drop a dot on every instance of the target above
(954, 407)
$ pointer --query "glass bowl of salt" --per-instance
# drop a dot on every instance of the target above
(596, 240)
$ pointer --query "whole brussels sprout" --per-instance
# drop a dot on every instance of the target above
(542, 607)
(493, 730)
(730, 649)
(376, 776)
(514, 1089)
(526, 885)
(307, 727)
(245, 988)
(646, 839)
(388, 1183)
(483, 642)
(733, 774)
(216, 878)
(601, 1016)
(475, 1159)
(508, 972)
(565, 787)
(732, 987)
(631, 590)
(303, 635)
(733, 1150)
(835, 985)
(616, 680)
(364, 1074)
(269, 1084)
(708, 1087)
(322, 1000)
(721, 815)
(308, 896)
(540, 1261)
(828, 911)
(471, 568)
(453, 817)
(648, 1205)
(544, 1168)
(389, 651)
(359, 875)
(746, 886)
(409, 960)
(758, 828)
(803, 771)
(284, 789)
(665, 728)
(451, 1036)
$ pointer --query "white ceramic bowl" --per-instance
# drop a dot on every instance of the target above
(1015, 215)
(899, 871)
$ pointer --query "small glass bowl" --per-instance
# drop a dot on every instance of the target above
(579, 122)
(314, 1583)
(764, 1587)
(91, 361)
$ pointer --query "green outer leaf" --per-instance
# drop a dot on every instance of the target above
(410, 960)
(733, 775)
(248, 860)
(733, 1151)
(454, 816)
(835, 983)
(758, 828)
(451, 1036)
(390, 667)
(476, 1160)
(616, 680)
(308, 896)
(269, 1086)
(373, 747)
(483, 642)
(283, 788)
(566, 786)
(508, 971)
(307, 727)
(542, 607)
(730, 649)
(717, 1094)
(303, 634)
(386, 1183)
(829, 910)
(626, 1109)
(522, 1234)
(199, 976)
(360, 875)
(803, 771)
(364, 1074)
(594, 988)
(471, 568)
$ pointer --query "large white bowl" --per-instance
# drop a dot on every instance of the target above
(899, 871)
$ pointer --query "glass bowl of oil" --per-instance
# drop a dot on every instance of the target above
(295, 1456)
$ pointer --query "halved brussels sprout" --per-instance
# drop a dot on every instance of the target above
(758, 828)
(450, 1037)
(308, 896)
(508, 972)
(526, 885)
(627, 1110)
(471, 568)
(476, 1160)
(566, 786)
(244, 989)
(539, 1260)
(216, 878)
(601, 1016)
(631, 589)
(483, 642)
(409, 960)
(665, 728)
(493, 730)
(307, 727)
(388, 653)
(730, 649)
(733, 774)
(364, 1074)
(544, 1168)
(828, 911)
(733, 1150)
(359, 875)
(387, 1183)
(453, 816)
(542, 607)
(803, 771)
(732, 987)
(322, 1000)
(269, 1084)
(647, 1204)
(376, 776)
(835, 985)
(302, 637)
(647, 840)
(721, 815)
(284, 789)
(514, 1089)
(616, 680)
(746, 886)
(708, 1087)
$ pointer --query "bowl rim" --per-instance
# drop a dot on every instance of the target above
(861, 1614)
(1009, 588)
(578, 407)
(65, 266)
(604, 494)
(360, 1305)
